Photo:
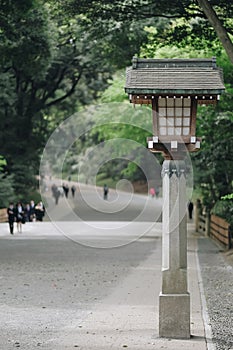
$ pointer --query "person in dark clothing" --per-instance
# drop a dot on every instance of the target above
(32, 211)
(190, 209)
(66, 190)
(73, 189)
(56, 193)
(19, 213)
(54, 189)
(27, 212)
(105, 191)
(11, 217)
(40, 211)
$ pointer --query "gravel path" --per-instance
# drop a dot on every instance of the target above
(217, 276)
(48, 284)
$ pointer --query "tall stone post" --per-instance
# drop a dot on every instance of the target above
(174, 300)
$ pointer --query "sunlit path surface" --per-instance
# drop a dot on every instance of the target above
(89, 205)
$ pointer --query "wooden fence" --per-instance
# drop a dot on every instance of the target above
(220, 230)
(201, 225)
(214, 227)
(3, 215)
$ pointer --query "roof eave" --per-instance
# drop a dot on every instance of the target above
(138, 91)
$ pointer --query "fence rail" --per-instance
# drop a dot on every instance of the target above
(202, 224)
(220, 230)
(214, 227)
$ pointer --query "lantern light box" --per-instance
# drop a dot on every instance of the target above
(174, 88)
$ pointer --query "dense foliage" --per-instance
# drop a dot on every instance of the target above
(44, 57)
(176, 21)
(57, 57)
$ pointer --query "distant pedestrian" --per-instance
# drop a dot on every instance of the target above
(11, 217)
(105, 190)
(66, 190)
(152, 192)
(40, 211)
(19, 213)
(53, 189)
(32, 211)
(27, 212)
(190, 209)
(73, 189)
(56, 193)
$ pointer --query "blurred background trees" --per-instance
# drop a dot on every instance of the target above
(57, 57)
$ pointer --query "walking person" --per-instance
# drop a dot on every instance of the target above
(152, 192)
(56, 193)
(27, 212)
(105, 189)
(32, 211)
(190, 209)
(54, 189)
(66, 190)
(73, 189)
(11, 217)
(40, 211)
(19, 213)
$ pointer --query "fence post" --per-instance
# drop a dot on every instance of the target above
(207, 223)
(229, 237)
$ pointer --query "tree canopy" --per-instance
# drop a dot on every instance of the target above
(57, 57)
(43, 59)
(198, 16)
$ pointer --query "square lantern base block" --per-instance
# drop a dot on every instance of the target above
(174, 316)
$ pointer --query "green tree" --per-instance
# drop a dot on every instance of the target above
(44, 60)
(213, 164)
(25, 55)
(7, 194)
(217, 24)
(197, 16)
(6, 189)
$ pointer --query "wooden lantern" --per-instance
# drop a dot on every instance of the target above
(174, 88)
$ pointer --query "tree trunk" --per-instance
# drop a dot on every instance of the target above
(217, 25)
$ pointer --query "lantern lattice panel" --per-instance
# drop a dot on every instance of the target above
(174, 116)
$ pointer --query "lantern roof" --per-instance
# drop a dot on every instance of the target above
(174, 76)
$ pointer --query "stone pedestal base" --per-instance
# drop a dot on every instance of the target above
(174, 316)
